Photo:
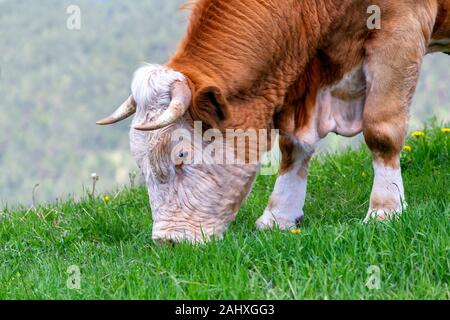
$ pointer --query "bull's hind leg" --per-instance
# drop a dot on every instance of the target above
(285, 207)
(392, 69)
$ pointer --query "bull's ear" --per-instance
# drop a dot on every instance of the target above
(210, 107)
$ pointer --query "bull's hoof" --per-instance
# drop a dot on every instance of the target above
(270, 221)
(382, 215)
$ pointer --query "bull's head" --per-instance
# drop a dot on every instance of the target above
(190, 201)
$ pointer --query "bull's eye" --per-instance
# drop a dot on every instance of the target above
(181, 158)
(183, 154)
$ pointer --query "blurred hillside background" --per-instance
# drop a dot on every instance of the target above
(55, 83)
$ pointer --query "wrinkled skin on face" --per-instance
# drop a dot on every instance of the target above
(190, 202)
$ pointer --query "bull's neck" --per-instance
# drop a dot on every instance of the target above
(253, 50)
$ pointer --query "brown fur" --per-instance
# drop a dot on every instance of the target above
(261, 63)
(303, 171)
(286, 147)
(442, 26)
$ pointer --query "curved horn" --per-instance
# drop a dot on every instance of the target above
(181, 99)
(127, 109)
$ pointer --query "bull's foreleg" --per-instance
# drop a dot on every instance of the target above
(392, 71)
(285, 207)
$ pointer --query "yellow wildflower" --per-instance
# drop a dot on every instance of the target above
(445, 130)
(106, 198)
(296, 231)
(407, 148)
(418, 134)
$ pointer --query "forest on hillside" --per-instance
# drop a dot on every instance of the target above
(56, 82)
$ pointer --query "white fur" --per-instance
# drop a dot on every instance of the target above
(288, 198)
(387, 187)
(195, 202)
(151, 85)
(151, 90)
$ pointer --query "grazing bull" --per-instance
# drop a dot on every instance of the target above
(307, 68)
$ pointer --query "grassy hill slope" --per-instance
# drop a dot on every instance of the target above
(110, 241)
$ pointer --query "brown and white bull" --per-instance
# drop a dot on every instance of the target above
(307, 68)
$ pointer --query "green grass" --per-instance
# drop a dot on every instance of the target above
(111, 242)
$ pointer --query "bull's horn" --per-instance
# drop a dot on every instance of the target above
(181, 99)
(127, 109)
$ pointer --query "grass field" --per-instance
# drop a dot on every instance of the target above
(110, 242)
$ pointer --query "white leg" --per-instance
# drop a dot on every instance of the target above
(388, 194)
(285, 207)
